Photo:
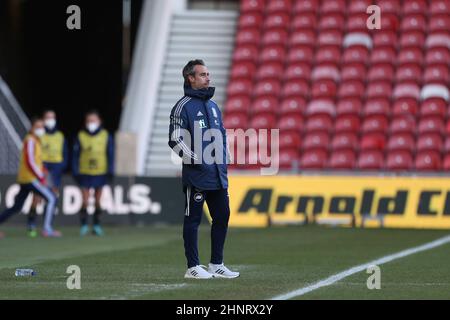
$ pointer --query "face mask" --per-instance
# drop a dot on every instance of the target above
(50, 123)
(39, 132)
(92, 126)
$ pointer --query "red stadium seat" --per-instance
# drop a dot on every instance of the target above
(347, 123)
(237, 104)
(344, 141)
(428, 161)
(324, 89)
(266, 104)
(357, 22)
(333, 21)
(382, 55)
(409, 73)
(252, 5)
(305, 37)
(405, 106)
(267, 88)
(431, 125)
(430, 142)
(244, 69)
(314, 159)
(447, 145)
(433, 107)
(406, 90)
(399, 161)
(245, 53)
(438, 40)
(319, 123)
(374, 124)
(355, 71)
(403, 124)
(439, 7)
(248, 36)
(412, 39)
(415, 22)
(293, 105)
(291, 123)
(298, 71)
(389, 21)
(288, 158)
(321, 106)
(370, 160)
(250, 20)
(446, 164)
(316, 140)
(410, 56)
(389, 6)
(356, 54)
(381, 72)
(332, 6)
(414, 6)
(384, 38)
(437, 56)
(351, 106)
(330, 38)
(239, 87)
(289, 139)
(263, 121)
(376, 107)
(358, 6)
(304, 21)
(439, 23)
(343, 159)
(235, 121)
(401, 142)
(373, 141)
(273, 70)
(305, 6)
(275, 6)
(379, 89)
(298, 88)
(272, 54)
(302, 54)
(328, 55)
(437, 74)
(351, 89)
(325, 72)
(274, 37)
(277, 20)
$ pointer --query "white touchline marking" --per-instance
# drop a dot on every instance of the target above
(344, 274)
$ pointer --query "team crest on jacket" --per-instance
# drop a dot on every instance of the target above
(198, 197)
(201, 124)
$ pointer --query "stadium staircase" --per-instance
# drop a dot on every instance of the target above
(195, 34)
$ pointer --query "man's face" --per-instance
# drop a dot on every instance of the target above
(201, 78)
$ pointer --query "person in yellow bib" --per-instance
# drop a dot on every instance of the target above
(55, 158)
(92, 165)
(32, 178)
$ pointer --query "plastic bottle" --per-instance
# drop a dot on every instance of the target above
(25, 272)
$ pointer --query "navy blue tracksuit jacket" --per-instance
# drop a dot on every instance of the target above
(196, 111)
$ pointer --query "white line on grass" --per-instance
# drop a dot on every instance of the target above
(344, 274)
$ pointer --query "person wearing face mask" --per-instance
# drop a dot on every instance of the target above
(54, 156)
(32, 178)
(92, 165)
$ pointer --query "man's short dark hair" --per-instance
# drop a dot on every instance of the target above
(92, 112)
(188, 69)
(35, 119)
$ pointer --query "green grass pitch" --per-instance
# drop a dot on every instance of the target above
(148, 263)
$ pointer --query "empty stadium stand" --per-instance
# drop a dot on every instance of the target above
(343, 96)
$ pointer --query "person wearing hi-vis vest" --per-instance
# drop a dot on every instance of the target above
(92, 166)
(54, 156)
(32, 177)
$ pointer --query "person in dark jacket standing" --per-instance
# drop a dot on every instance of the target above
(197, 135)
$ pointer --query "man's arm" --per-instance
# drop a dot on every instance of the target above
(110, 153)
(179, 128)
(30, 147)
(76, 157)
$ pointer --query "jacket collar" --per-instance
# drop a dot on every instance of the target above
(203, 94)
(52, 131)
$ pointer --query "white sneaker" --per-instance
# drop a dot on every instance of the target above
(198, 272)
(220, 271)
